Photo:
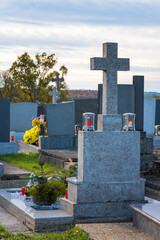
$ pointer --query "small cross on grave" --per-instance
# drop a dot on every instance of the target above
(110, 64)
(57, 80)
(55, 95)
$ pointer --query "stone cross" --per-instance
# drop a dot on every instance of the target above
(110, 64)
(57, 80)
(55, 95)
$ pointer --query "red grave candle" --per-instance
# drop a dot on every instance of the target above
(12, 138)
(130, 123)
(23, 190)
(88, 123)
(66, 196)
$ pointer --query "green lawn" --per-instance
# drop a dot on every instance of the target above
(30, 163)
(73, 234)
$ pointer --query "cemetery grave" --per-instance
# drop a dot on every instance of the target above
(108, 180)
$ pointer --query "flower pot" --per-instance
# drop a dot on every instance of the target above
(38, 201)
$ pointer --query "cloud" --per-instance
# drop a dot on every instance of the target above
(75, 30)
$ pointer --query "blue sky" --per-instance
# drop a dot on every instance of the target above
(75, 29)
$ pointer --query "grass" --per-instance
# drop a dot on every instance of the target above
(75, 233)
(30, 162)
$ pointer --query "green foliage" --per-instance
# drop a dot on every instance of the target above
(75, 233)
(30, 163)
(28, 79)
(47, 191)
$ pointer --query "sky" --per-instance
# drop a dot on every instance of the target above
(74, 30)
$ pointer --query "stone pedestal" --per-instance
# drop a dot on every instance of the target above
(108, 177)
(110, 122)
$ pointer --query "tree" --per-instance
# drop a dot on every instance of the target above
(28, 79)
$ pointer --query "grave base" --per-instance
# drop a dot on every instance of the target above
(104, 201)
(156, 142)
(58, 142)
(8, 148)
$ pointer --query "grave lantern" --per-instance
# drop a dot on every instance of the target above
(129, 121)
(88, 121)
(157, 130)
(12, 136)
(77, 129)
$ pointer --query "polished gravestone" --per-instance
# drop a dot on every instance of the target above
(108, 159)
(5, 146)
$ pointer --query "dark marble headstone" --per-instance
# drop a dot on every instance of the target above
(130, 99)
(138, 82)
(157, 121)
(126, 98)
(4, 120)
(85, 105)
(41, 111)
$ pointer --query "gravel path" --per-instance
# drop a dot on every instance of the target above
(114, 231)
(97, 231)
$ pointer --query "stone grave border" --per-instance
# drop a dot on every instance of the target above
(38, 221)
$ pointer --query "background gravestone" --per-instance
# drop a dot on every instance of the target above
(82, 106)
(157, 122)
(61, 126)
(149, 115)
(126, 98)
(130, 99)
(60, 118)
(4, 120)
(20, 116)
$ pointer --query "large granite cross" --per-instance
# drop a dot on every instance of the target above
(57, 80)
(110, 64)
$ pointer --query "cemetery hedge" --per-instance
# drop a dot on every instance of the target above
(29, 162)
(75, 233)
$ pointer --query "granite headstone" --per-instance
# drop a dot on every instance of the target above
(4, 120)
(149, 115)
(157, 121)
(60, 118)
(21, 114)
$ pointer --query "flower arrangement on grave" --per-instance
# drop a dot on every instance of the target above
(39, 128)
(47, 192)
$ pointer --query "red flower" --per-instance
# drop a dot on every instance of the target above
(37, 144)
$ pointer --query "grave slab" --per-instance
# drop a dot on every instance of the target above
(8, 148)
(38, 221)
(146, 217)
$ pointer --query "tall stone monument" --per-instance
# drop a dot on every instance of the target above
(108, 159)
